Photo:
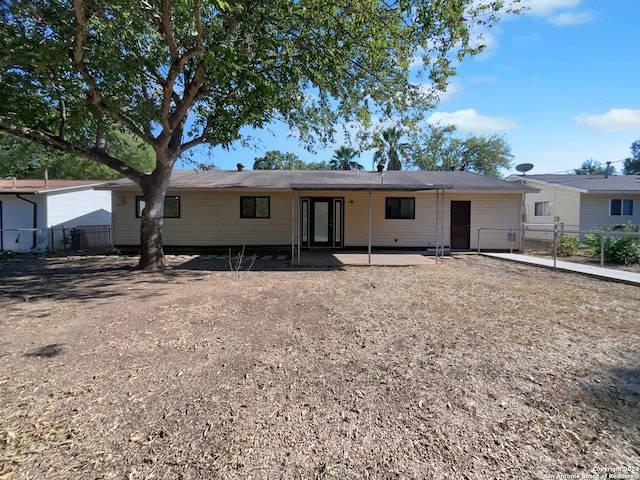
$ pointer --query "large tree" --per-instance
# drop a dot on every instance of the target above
(390, 149)
(632, 164)
(344, 159)
(437, 147)
(276, 160)
(178, 74)
(593, 167)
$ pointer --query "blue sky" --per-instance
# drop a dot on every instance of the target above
(560, 83)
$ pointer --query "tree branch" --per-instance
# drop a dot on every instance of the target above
(53, 141)
(93, 94)
(166, 27)
(190, 95)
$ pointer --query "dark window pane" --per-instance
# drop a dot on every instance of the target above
(616, 206)
(171, 207)
(247, 207)
(262, 207)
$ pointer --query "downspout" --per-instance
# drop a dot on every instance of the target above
(35, 219)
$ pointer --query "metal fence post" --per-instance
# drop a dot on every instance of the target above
(555, 246)
(479, 240)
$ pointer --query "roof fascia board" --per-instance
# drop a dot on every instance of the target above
(380, 186)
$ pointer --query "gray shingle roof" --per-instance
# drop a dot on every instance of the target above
(590, 183)
(329, 179)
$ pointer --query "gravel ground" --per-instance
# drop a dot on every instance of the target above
(475, 368)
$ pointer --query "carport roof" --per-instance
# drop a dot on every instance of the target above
(40, 186)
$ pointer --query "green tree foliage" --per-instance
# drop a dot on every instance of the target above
(181, 74)
(321, 165)
(438, 148)
(390, 148)
(22, 158)
(276, 160)
(593, 167)
(632, 164)
(344, 159)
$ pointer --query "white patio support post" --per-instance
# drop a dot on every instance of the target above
(369, 229)
(442, 226)
(293, 224)
(437, 224)
(299, 227)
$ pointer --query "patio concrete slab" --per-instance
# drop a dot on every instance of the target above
(340, 259)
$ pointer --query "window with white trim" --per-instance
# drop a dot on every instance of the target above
(621, 207)
(543, 209)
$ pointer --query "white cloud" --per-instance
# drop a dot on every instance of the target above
(427, 89)
(490, 43)
(471, 121)
(546, 7)
(615, 120)
(560, 12)
(485, 79)
(571, 18)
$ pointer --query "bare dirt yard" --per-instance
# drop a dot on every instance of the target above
(475, 368)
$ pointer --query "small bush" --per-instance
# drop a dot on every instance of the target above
(567, 245)
(618, 248)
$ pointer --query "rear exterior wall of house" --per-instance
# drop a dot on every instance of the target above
(212, 219)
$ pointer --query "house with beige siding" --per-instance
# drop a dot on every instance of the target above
(579, 202)
(295, 210)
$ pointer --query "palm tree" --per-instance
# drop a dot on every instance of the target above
(343, 159)
(390, 148)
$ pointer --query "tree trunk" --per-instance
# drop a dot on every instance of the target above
(154, 191)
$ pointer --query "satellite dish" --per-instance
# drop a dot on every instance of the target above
(524, 167)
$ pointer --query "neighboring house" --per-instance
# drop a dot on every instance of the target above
(297, 209)
(580, 202)
(34, 213)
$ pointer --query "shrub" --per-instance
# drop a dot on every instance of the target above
(617, 248)
(567, 245)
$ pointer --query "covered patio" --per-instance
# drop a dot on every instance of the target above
(344, 258)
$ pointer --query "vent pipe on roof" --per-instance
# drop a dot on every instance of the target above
(606, 170)
(240, 167)
(14, 182)
(46, 177)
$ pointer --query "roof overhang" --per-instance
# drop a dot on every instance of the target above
(378, 186)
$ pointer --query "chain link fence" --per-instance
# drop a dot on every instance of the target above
(537, 237)
(79, 239)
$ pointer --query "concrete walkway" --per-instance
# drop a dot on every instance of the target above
(621, 276)
(342, 259)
